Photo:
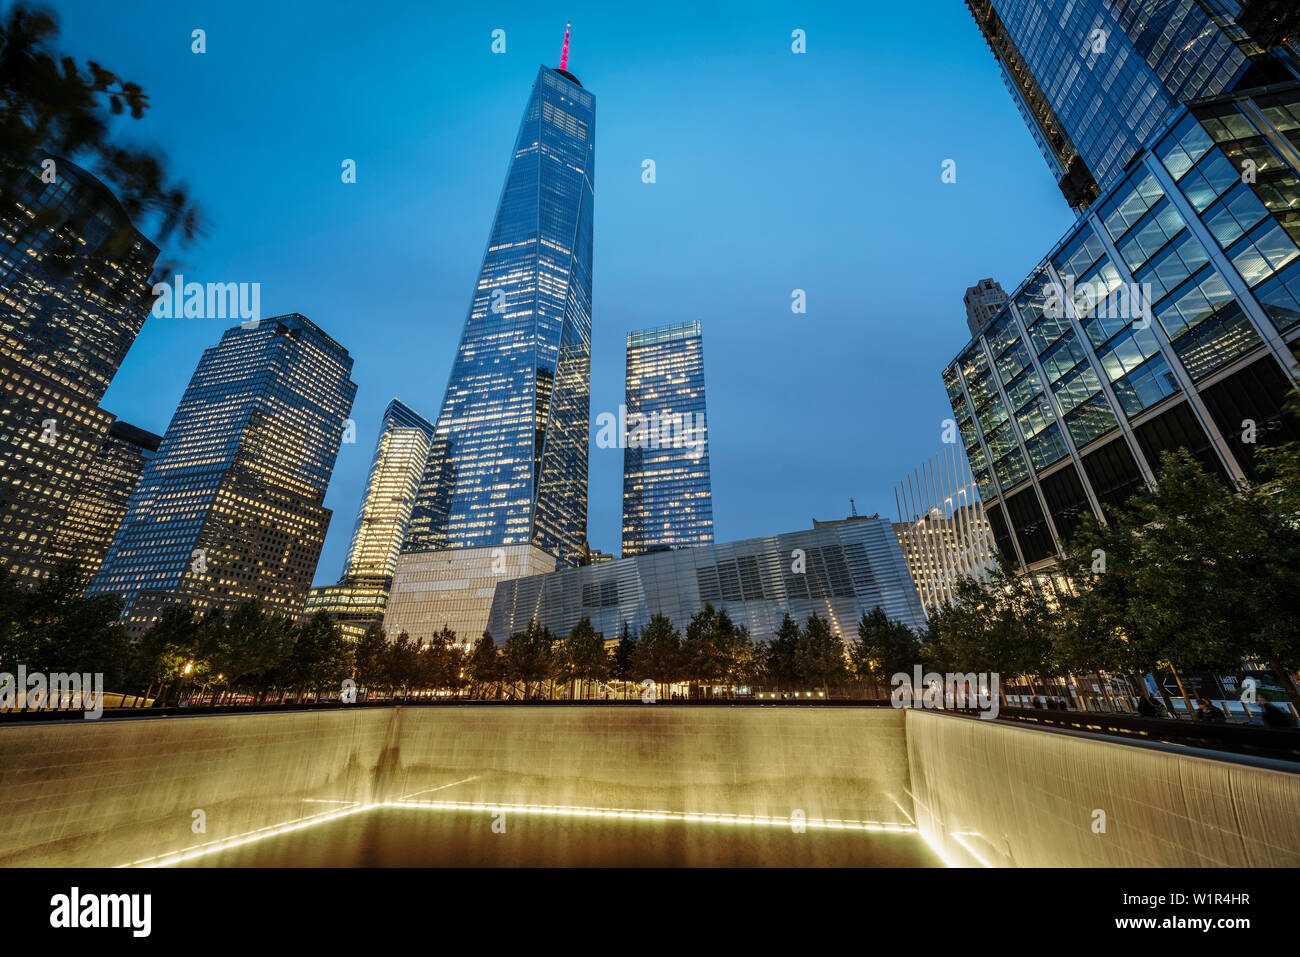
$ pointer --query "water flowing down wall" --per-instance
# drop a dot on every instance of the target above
(125, 791)
(1005, 795)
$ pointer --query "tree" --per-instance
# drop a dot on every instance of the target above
(622, 664)
(582, 655)
(529, 656)
(884, 648)
(368, 659)
(51, 106)
(658, 652)
(819, 656)
(779, 654)
(485, 666)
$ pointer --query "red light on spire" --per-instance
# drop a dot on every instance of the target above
(564, 54)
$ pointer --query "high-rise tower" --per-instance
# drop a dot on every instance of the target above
(232, 506)
(73, 295)
(1095, 79)
(401, 454)
(667, 494)
(506, 484)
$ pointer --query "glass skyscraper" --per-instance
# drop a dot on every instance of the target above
(667, 494)
(505, 490)
(509, 463)
(401, 454)
(1167, 317)
(73, 295)
(1095, 79)
(232, 505)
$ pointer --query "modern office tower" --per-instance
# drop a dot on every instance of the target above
(1095, 79)
(232, 506)
(667, 494)
(839, 570)
(73, 294)
(506, 484)
(1166, 317)
(982, 301)
(99, 505)
(942, 529)
(401, 454)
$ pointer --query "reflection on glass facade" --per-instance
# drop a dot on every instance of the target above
(1166, 318)
(401, 455)
(232, 505)
(667, 494)
(73, 295)
(847, 569)
(97, 511)
(509, 460)
(1095, 79)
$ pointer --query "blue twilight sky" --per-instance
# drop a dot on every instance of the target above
(775, 171)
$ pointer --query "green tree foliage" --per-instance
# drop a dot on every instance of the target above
(529, 657)
(582, 656)
(485, 667)
(51, 105)
(658, 652)
(819, 657)
(884, 648)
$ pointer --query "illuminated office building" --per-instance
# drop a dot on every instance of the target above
(232, 506)
(1094, 80)
(73, 295)
(941, 528)
(100, 504)
(667, 494)
(1167, 317)
(838, 570)
(506, 483)
(401, 454)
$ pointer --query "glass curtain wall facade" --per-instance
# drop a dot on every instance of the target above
(74, 293)
(1166, 318)
(667, 492)
(100, 504)
(838, 570)
(401, 455)
(509, 461)
(232, 505)
(1095, 79)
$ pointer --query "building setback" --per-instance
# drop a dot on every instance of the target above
(667, 492)
(73, 295)
(232, 505)
(505, 489)
(1166, 317)
(100, 504)
(839, 571)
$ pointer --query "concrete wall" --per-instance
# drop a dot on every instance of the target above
(114, 792)
(1011, 796)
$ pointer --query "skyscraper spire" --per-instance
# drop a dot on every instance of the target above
(564, 54)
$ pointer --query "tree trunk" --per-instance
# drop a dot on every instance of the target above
(1190, 710)
(1288, 684)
